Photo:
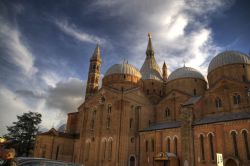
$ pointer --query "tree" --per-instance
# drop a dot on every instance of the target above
(23, 132)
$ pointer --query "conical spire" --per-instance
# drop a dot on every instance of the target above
(164, 65)
(150, 50)
(97, 53)
(150, 68)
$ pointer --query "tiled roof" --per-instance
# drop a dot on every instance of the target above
(159, 126)
(223, 118)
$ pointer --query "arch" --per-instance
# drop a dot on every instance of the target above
(244, 130)
(211, 145)
(109, 109)
(194, 92)
(233, 131)
(231, 162)
(236, 99)
(132, 160)
(175, 145)
(246, 143)
(202, 149)
(103, 148)
(110, 148)
(167, 112)
(234, 143)
(218, 102)
(168, 143)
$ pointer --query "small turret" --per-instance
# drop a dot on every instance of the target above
(94, 73)
(164, 72)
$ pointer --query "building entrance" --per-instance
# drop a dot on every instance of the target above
(231, 162)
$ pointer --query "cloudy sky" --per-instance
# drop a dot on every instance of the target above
(45, 45)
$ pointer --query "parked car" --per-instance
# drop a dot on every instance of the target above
(31, 161)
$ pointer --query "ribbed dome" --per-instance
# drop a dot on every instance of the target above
(226, 58)
(124, 68)
(185, 72)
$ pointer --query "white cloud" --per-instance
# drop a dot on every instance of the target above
(16, 48)
(180, 29)
(10, 108)
(73, 31)
(66, 95)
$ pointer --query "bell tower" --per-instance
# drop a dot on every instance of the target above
(94, 73)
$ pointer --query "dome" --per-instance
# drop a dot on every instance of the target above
(226, 58)
(124, 68)
(185, 72)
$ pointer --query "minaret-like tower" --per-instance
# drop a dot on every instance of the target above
(150, 50)
(164, 72)
(94, 73)
(164, 77)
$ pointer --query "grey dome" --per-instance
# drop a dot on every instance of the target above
(226, 58)
(185, 72)
(124, 68)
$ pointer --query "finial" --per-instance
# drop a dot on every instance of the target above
(184, 62)
(149, 35)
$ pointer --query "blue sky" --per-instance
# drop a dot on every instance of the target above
(45, 46)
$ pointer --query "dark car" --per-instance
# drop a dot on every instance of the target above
(31, 161)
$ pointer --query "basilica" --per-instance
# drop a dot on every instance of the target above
(150, 117)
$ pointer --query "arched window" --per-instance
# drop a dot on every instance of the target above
(194, 92)
(175, 146)
(104, 144)
(108, 122)
(211, 145)
(110, 149)
(147, 91)
(130, 123)
(168, 145)
(236, 99)
(167, 112)
(245, 137)
(234, 141)
(132, 161)
(152, 145)
(218, 102)
(146, 146)
(202, 147)
(109, 109)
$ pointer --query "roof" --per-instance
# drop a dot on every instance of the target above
(165, 125)
(123, 68)
(185, 72)
(192, 100)
(205, 120)
(226, 58)
(223, 118)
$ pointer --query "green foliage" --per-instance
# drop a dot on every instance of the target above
(23, 132)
